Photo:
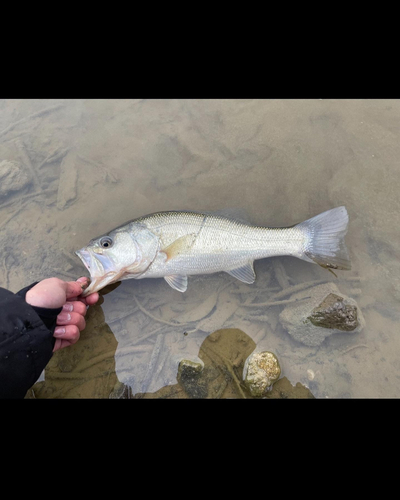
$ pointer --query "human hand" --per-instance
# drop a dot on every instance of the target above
(53, 293)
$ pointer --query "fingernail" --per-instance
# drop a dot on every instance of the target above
(84, 282)
(64, 316)
(68, 307)
(59, 331)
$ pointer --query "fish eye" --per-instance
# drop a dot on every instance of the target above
(106, 242)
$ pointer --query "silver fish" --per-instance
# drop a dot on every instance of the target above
(174, 245)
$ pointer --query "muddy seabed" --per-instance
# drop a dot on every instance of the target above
(71, 170)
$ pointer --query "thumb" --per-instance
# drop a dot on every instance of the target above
(75, 288)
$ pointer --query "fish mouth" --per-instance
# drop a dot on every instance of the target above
(99, 277)
(85, 257)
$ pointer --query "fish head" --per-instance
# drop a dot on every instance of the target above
(115, 256)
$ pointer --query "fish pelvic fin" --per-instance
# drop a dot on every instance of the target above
(177, 282)
(325, 243)
(244, 273)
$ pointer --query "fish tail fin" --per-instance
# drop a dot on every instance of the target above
(325, 239)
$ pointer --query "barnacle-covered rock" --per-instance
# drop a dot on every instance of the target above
(261, 371)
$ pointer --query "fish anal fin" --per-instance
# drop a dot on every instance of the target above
(177, 282)
(244, 273)
(179, 246)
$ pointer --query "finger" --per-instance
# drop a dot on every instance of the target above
(92, 299)
(65, 336)
(79, 298)
(76, 306)
(68, 332)
(74, 288)
(83, 279)
(71, 318)
(60, 344)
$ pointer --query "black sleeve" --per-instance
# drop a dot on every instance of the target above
(26, 342)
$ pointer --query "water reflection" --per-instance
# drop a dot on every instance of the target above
(219, 372)
(86, 369)
(140, 333)
(223, 354)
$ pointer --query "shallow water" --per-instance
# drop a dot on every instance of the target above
(87, 166)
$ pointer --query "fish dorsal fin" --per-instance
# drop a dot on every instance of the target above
(181, 245)
(177, 282)
(244, 273)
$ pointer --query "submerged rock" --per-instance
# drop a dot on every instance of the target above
(13, 177)
(261, 371)
(334, 313)
(323, 311)
(189, 376)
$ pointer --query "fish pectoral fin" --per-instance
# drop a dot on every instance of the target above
(177, 282)
(244, 273)
(181, 245)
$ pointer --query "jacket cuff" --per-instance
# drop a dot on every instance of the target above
(26, 345)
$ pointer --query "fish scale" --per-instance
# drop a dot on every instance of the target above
(220, 243)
